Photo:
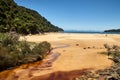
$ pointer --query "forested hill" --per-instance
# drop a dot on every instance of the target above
(23, 20)
(112, 30)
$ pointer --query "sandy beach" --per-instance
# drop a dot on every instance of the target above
(77, 52)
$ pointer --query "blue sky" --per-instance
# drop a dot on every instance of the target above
(78, 14)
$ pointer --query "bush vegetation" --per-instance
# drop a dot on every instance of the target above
(23, 20)
(14, 52)
(112, 30)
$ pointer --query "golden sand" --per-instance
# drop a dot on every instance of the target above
(77, 52)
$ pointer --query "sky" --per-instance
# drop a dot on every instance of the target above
(78, 14)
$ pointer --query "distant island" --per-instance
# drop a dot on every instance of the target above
(112, 30)
(23, 20)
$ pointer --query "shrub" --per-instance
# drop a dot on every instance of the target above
(42, 48)
(25, 48)
(9, 40)
(14, 52)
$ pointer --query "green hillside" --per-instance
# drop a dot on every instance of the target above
(112, 30)
(23, 20)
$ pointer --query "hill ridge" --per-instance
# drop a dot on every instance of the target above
(23, 20)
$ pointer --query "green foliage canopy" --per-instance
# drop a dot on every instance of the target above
(23, 20)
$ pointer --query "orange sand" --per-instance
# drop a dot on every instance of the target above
(76, 56)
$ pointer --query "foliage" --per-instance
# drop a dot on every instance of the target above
(42, 48)
(9, 40)
(112, 30)
(23, 20)
(104, 53)
(14, 52)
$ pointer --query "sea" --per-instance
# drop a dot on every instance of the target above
(89, 32)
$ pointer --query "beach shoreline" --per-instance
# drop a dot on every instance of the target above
(79, 45)
(76, 52)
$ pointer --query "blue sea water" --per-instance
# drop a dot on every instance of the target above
(90, 32)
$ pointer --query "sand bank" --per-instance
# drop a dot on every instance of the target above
(80, 53)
